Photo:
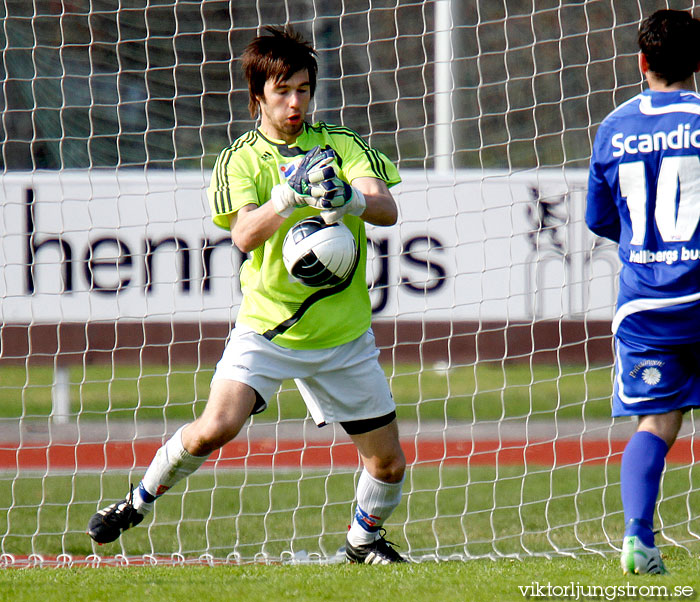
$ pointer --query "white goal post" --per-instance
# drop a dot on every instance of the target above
(492, 302)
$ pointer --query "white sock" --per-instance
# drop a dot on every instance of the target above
(171, 464)
(376, 500)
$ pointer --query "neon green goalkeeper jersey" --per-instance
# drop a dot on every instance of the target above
(274, 304)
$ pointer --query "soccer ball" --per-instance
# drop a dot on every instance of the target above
(319, 254)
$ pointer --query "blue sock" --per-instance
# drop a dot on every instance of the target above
(640, 475)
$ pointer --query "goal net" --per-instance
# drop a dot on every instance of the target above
(491, 301)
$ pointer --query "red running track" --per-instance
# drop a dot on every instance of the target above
(295, 453)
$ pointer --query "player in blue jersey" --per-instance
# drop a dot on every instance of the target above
(644, 194)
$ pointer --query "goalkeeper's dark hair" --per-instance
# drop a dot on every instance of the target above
(276, 55)
(670, 41)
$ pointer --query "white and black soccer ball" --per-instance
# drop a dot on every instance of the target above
(319, 254)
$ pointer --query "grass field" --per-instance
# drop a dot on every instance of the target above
(482, 580)
(467, 511)
(473, 512)
(488, 391)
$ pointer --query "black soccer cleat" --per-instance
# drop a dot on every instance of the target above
(109, 523)
(379, 551)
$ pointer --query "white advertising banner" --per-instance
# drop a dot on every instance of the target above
(78, 246)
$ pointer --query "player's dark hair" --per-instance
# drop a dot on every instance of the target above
(276, 56)
(670, 41)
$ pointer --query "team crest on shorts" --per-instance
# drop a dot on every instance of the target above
(649, 371)
(651, 376)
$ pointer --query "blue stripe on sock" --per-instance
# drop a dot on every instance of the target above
(368, 522)
(145, 496)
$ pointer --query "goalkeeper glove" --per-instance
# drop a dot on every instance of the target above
(285, 200)
(315, 162)
(329, 193)
(354, 204)
(295, 191)
(325, 187)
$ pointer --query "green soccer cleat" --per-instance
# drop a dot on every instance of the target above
(639, 559)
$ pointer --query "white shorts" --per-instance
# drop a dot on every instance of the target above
(340, 384)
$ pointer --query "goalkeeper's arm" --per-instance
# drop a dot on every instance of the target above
(367, 197)
(380, 207)
(252, 225)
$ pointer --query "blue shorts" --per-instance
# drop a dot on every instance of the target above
(655, 379)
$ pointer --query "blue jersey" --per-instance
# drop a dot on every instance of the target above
(644, 193)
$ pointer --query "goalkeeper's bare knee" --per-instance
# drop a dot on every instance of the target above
(228, 408)
(204, 439)
(388, 470)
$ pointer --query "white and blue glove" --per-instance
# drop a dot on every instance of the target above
(315, 182)
(314, 168)
(285, 200)
(353, 203)
(333, 196)
(296, 191)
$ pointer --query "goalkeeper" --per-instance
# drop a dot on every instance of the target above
(644, 194)
(270, 178)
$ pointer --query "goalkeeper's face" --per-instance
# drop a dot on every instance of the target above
(284, 105)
